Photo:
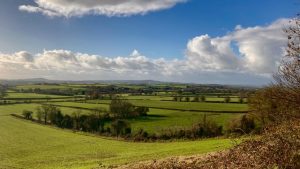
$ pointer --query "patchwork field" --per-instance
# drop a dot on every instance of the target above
(25, 144)
(28, 145)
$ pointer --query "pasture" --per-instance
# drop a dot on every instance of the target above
(186, 106)
(24, 144)
(16, 95)
(163, 119)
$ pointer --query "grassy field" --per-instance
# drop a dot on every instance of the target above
(27, 145)
(159, 120)
(25, 87)
(32, 95)
(162, 119)
(195, 106)
(169, 98)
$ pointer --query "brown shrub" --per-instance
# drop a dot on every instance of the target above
(279, 147)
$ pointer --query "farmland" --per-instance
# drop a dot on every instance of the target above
(25, 144)
(192, 106)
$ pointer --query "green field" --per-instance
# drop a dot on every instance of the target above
(159, 120)
(24, 144)
(193, 106)
(26, 87)
(162, 119)
(32, 95)
(28, 145)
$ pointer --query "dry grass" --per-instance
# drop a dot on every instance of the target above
(279, 147)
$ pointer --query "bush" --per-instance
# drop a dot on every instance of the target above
(142, 111)
(242, 125)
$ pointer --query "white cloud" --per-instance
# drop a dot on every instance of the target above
(246, 55)
(255, 49)
(71, 8)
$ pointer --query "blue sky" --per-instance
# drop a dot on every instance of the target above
(162, 33)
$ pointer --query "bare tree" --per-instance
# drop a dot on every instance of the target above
(288, 76)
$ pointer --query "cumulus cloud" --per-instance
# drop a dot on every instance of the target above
(254, 49)
(71, 8)
(251, 53)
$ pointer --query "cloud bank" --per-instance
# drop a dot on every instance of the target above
(243, 56)
(75, 8)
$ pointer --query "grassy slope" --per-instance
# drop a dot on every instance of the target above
(27, 145)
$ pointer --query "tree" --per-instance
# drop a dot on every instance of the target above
(2, 91)
(227, 99)
(76, 119)
(59, 119)
(53, 113)
(67, 122)
(280, 101)
(241, 100)
(39, 114)
(288, 76)
(202, 98)
(27, 114)
(141, 111)
(121, 108)
(120, 127)
(196, 99)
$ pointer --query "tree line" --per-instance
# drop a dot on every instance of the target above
(94, 122)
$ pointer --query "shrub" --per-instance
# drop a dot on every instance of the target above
(242, 125)
(141, 111)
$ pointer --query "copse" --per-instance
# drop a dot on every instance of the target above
(122, 109)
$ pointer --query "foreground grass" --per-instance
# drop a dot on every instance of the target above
(28, 145)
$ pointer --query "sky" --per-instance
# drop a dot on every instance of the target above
(198, 41)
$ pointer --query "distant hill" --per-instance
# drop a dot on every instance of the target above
(133, 82)
(47, 81)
